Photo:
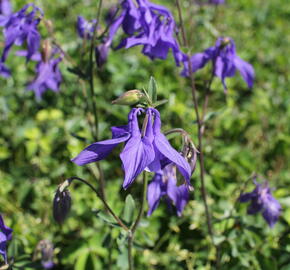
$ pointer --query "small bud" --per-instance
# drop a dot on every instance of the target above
(61, 203)
(130, 97)
(49, 26)
(101, 54)
(45, 50)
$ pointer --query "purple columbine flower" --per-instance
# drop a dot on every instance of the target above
(5, 235)
(48, 74)
(152, 26)
(144, 149)
(225, 62)
(164, 184)
(85, 28)
(262, 201)
(21, 27)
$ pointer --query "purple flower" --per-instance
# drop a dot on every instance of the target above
(216, 2)
(48, 74)
(45, 248)
(144, 149)
(263, 201)
(225, 62)
(21, 27)
(5, 235)
(152, 26)
(164, 184)
(85, 28)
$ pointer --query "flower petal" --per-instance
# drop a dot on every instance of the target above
(154, 193)
(246, 70)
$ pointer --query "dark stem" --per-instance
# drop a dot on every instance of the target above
(118, 220)
(134, 227)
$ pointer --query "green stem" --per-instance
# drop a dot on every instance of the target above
(134, 227)
(118, 220)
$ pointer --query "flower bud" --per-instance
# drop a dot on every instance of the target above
(130, 97)
(44, 251)
(61, 203)
(45, 50)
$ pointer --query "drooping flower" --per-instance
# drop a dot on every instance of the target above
(21, 27)
(225, 62)
(164, 184)
(5, 236)
(48, 75)
(85, 28)
(262, 201)
(146, 148)
(152, 26)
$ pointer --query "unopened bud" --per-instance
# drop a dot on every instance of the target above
(45, 50)
(130, 97)
(61, 203)
(44, 251)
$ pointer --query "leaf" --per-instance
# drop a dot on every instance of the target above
(160, 102)
(128, 212)
(152, 90)
(106, 218)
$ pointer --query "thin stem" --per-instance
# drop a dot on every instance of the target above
(118, 220)
(134, 227)
(199, 123)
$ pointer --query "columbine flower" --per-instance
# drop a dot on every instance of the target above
(21, 27)
(85, 28)
(164, 185)
(144, 149)
(225, 62)
(48, 74)
(5, 235)
(155, 28)
(263, 201)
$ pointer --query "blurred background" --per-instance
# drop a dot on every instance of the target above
(247, 131)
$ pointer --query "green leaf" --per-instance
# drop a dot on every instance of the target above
(152, 90)
(128, 212)
(160, 102)
(106, 218)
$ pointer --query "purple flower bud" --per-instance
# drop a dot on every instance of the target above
(101, 54)
(262, 201)
(61, 203)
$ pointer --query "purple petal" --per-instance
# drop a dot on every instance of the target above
(246, 70)
(99, 150)
(154, 193)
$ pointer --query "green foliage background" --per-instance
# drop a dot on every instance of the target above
(247, 131)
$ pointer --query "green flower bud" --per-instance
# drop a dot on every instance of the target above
(130, 97)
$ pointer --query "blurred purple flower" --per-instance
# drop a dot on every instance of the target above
(164, 184)
(263, 201)
(216, 2)
(21, 27)
(5, 235)
(143, 150)
(5, 8)
(85, 28)
(225, 62)
(45, 248)
(48, 74)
